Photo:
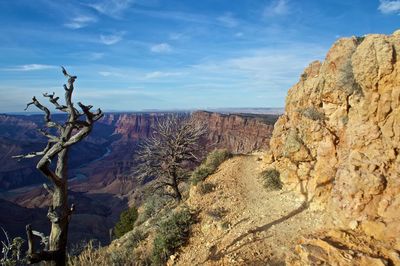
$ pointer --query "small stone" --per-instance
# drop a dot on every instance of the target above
(353, 225)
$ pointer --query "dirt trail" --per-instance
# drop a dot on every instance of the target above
(241, 222)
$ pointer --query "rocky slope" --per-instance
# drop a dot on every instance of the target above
(338, 142)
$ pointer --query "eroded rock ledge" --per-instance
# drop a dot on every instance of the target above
(338, 142)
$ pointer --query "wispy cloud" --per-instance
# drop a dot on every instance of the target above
(80, 22)
(111, 39)
(175, 15)
(30, 67)
(95, 56)
(160, 74)
(228, 20)
(389, 7)
(277, 8)
(161, 48)
(110, 74)
(264, 68)
(111, 8)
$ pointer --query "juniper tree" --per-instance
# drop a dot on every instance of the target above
(61, 137)
(166, 155)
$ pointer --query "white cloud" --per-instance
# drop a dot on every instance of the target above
(111, 8)
(262, 69)
(110, 74)
(30, 67)
(228, 20)
(389, 7)
(277, 8)
(111, 39)
(161, 48)
(80, 22)
(159, 74)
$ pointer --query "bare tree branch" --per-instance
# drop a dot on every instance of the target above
(44, 240)
(54, 101)
(71, 132)
(51, 138)
(166, 154)
(33, 154)
(48, 189)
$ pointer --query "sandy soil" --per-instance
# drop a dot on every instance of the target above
(241, 222)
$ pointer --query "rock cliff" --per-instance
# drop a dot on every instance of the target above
(338, 143)
(237, 133)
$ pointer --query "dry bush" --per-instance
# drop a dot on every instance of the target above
(205, 188)
(271, 178)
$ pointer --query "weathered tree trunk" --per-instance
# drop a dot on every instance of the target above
(59, 229)
(175, 186)
(71, 132)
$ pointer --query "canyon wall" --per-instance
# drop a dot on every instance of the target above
(118, 133)
(338, 144)
(237, 133)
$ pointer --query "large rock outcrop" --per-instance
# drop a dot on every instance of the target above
(339, 141)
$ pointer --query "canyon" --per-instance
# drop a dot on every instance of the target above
(335, 152)
(101, 167)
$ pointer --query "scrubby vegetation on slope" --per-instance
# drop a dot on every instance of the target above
(171, 234)
(126, 221)
(210, 165)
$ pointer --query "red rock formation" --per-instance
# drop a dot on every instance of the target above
(237, 133)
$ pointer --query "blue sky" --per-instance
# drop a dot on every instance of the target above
(173, 54)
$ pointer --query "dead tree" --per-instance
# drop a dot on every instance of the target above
(167, 153)
(60, 138)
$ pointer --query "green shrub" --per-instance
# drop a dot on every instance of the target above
(200, 174)
(171, 234)
(271, 178)
(210, 165)
(134, 238)
(312, 113)
(206, 188)
(126, 221)
(153, 205)
(216, 157)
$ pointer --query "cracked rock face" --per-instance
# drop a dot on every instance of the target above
(339, 139)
